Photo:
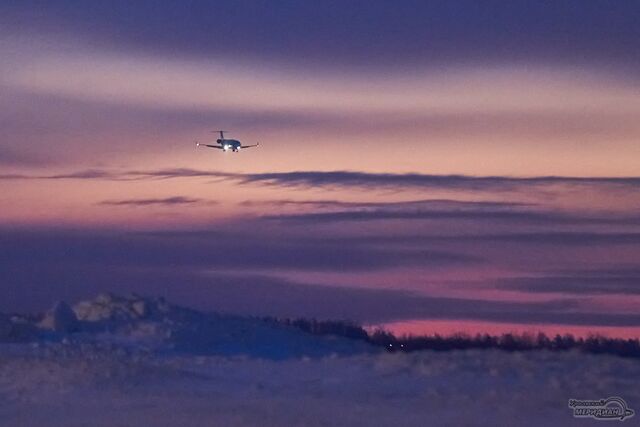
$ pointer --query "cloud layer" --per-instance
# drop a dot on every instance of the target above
(57, 264)
(310, 179)
(168, 201)
(355, 33)
(406, 147)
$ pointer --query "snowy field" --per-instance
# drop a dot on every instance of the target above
(136, 362)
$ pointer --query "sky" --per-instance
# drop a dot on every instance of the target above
(430, 165)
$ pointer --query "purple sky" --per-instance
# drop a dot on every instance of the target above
(447, 161)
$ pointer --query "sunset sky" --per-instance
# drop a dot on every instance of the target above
(433, 165)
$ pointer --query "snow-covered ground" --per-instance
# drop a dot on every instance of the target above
(139, 362)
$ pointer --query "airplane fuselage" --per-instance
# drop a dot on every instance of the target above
(229, 144)
(226, 144)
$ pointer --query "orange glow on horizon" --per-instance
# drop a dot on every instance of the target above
(473, 327)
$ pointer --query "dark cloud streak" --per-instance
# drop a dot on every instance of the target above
(351, 179)
(326, 203)
(230, 250)
(574, 285)
(167, 201)
(477, 215)
(552, 238)
(309, 179)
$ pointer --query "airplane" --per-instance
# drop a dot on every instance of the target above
(226, 144)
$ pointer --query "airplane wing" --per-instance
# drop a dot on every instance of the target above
(209, 145)
(249, 146)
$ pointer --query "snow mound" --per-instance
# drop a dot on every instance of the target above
(152, 325)
(111, 307)
(61, 318)
(140, 361)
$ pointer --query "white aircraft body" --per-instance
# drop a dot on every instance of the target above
(226, 144)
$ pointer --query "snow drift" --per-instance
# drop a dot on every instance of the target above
(136, 322)
(133, 361)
